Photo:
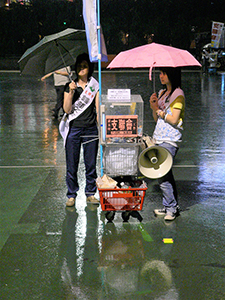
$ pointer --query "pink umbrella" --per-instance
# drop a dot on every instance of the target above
(153, 55)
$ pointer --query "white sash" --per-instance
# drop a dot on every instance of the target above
(84, 101)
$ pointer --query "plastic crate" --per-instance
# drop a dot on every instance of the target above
(122, 199)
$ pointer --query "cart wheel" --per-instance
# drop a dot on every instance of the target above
(125, 216)
(135, 214)
(110, 215)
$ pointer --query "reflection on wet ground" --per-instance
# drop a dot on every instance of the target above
(50, 252)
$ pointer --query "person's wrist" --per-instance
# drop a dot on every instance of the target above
(158, 112)
(71, 90)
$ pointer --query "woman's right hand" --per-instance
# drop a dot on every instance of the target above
(154, 102)
(68, 97)
(72, 86)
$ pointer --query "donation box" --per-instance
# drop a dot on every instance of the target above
(121, 131)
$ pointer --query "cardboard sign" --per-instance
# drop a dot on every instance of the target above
(118, 95)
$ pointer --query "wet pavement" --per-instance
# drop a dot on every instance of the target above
(50, 252)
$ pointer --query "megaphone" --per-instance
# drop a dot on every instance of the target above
(154, 161)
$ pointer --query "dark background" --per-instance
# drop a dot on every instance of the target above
(125, 23)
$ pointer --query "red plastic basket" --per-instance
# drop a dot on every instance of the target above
(122, 199)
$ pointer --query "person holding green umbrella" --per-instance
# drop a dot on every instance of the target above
(79, 127)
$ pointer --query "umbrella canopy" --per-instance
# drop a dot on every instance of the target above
(53, 52)
(153, 55)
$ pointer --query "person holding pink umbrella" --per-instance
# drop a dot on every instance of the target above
(168, 112)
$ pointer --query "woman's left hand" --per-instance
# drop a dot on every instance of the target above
(72, 86)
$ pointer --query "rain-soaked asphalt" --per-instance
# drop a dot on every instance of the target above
(50, 252)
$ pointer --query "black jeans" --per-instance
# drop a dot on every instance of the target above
(88, 137)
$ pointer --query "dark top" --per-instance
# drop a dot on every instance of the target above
(87, 118)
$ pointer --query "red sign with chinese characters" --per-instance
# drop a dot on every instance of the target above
(122, 126)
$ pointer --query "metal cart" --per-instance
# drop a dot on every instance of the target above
(120, 137)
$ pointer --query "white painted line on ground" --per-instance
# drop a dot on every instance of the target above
(23, 167)
(63, 166)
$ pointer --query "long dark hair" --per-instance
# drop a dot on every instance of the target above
(80, 58)
(174, 76)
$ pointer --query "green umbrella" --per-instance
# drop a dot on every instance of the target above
(53, 52)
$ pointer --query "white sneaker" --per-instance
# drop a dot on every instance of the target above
(170, 216)
(160, 211)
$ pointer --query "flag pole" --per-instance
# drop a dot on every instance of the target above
(99, 76)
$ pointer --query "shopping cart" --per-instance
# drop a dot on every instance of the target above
(120, 137)
(126, 200)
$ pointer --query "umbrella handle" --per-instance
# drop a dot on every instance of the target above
(150, 75)
(154, 80)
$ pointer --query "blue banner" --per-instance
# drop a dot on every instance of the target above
(90, 20)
